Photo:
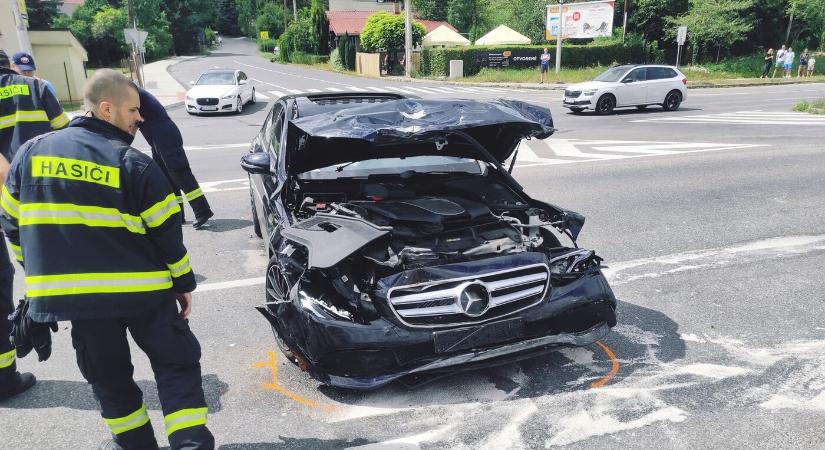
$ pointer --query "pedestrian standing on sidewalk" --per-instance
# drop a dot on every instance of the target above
(780, 61)
(768, 63)
(803, 64)
(788, 63)
(545, 64)
(811, 64)
(167, 150)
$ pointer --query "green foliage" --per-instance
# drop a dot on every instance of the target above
(42, 13)
(228, 18)
(648, 16)
(430, 9)
(210, 37)
(467, 15)
(187, 20)
(267, 45)
(716, 23)
(525, 16)
(320, 27)
(298, 37)
(436, 61)
(107, 29)
(308, 58)
(271, 19)
(386, 31)
(346, 52)
(809, 23)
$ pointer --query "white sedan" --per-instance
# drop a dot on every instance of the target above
(627, 86)
(219, 90)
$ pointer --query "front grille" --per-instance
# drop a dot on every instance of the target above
(436, 304)
(572, 93)
(207, 101)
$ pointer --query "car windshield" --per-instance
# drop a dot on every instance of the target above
(216, 78)
(612, 75)
(390, 166)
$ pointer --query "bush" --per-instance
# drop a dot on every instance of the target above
(386, 31)
(308, 58)
(266, 45)
(298, 37)
(436, 61)
(335, 60)
(346, 52)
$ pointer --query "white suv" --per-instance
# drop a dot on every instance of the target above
(629, 85)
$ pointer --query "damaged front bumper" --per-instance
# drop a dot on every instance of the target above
(369, 355)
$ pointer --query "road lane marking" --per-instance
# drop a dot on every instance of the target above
(332, 89)
(277, 94)
(295, 91)
(756, 117)
(259, 96)
(314, 90)
(271, 363)
(614, 366)
(280, 72)
(221, 285)
(401, 90)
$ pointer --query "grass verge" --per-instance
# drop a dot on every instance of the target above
(814, 107)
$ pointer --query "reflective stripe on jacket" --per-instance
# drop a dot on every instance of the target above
(96, 224)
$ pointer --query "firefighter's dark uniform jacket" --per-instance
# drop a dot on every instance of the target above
(27, 109)
(99, 225)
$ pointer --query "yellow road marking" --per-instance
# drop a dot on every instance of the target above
(614, 368)
(275, 386)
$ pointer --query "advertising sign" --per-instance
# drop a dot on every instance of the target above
(519, 58)
(264, 34)
(581, 20)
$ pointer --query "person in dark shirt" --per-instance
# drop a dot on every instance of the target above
(167, 150)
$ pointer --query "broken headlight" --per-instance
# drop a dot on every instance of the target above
(575, 261)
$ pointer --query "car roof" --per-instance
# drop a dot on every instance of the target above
(219, 71)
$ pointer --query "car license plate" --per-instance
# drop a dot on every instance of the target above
(209, 108)
(478, 336)
(569, 99)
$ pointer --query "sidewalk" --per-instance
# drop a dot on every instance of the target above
(161, 84)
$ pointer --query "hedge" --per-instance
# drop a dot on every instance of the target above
(436, 61)
(307, 58)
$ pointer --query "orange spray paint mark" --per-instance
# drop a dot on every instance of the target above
(614, 366)
(275, 386)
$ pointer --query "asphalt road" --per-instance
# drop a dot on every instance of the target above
(711, 220)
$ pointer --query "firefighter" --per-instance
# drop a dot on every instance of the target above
(101, 239)
(167, 150)
(27, 109)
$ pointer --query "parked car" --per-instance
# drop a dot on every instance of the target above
(627, 86)
(220, 90)
(399, 246)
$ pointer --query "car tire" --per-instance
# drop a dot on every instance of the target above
(576, 110)
(641, 107)
(672, 101)
(239, 106)
(606, 104)
(256, 225)
(252, 99)
(277, 288)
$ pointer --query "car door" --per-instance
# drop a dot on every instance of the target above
(246, 87)
(239, 87)
(262, 185)
(659, 83)
(633, 90)
(270, 182)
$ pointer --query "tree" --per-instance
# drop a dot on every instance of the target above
(298, 37)
(320, 27)
(430, 9)
(228, 18)
(719, 23)
(468, 14)
(808, 26)
(271, 19)
(42, 13)
(346, 52)
(107, 28)
(153, 20)
(525, 16)
(187, 20)
(648, 17)
(386, 31)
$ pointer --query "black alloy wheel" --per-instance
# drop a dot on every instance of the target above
(672, 101)
(605, 104)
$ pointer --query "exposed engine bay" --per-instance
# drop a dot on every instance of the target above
(367, 230)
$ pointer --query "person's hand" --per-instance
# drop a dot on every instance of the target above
(185, 301)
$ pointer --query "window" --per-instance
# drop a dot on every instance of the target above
(660, 73)
(275, 130)
(639, 74)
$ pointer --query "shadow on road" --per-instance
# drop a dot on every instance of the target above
(633, 111)
(222, 225)
(78, 395)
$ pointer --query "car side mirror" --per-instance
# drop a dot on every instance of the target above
(256, 163)
(628, 80)
(242, 82)
(191, 83)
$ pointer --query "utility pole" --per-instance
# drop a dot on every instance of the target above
(133, 50)
(624, 22)
(558, 36)
(22, 27)
(407, 37)
(294, 10)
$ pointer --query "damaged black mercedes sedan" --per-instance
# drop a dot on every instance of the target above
(400, 245)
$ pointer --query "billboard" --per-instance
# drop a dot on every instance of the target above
(519, 58)
(581, 20)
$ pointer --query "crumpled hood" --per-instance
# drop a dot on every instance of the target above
(210, 91)
(412, 127)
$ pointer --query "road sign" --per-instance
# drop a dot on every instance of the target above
(264, 34)
(135, 37)
(681, 35)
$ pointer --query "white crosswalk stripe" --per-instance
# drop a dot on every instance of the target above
(401, 90)
(756, 117)
(277, 94)
(295, 91)
(259, 96)
(314, 90)
(569, 151)
(424, 90)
